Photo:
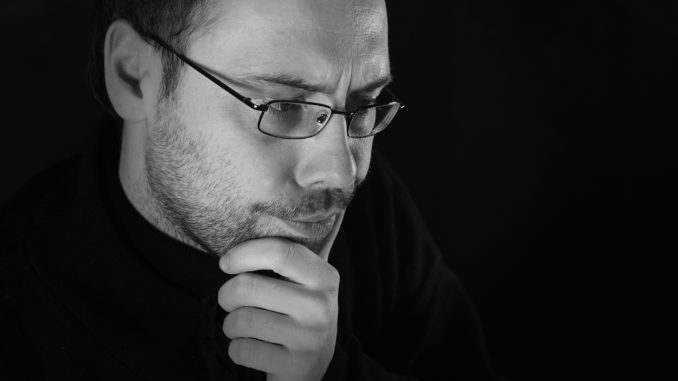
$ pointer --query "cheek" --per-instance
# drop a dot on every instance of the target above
(261, 164)
(228, 130)
(256, 167)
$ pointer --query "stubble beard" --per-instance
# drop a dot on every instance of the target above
(199, 201)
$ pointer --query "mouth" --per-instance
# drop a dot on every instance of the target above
(314, 227)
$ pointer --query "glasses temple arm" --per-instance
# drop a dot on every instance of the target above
(204, 72)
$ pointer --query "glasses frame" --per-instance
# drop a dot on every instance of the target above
(348, 115)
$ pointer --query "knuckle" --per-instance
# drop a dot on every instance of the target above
(329, 310)
(334, 278)
(319, 342)
(240, 351)
(263, 323)
(322, 310)
(289, 251)
(245, 284)
(237, 322)
(312, 339)
(244, 318)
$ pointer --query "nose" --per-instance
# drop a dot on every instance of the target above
(327, 160)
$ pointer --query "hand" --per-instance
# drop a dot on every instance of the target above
(284, 327)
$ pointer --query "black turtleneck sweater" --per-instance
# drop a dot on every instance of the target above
(89, 290)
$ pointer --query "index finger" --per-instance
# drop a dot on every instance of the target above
(287, 258)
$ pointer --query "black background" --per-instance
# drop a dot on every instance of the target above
(538, 140)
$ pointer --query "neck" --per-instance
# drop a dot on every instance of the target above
(134, 181)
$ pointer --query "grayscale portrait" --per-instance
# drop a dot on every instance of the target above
(306, 190)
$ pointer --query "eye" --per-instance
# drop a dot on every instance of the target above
(322, 118)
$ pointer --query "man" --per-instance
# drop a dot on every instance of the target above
(209, 237)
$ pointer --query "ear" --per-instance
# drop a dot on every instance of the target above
(126, 68)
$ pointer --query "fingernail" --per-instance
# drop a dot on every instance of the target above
(223, 262)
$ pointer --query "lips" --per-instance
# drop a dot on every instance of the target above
(312, 228)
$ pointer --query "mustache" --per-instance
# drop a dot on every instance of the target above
(313, 202)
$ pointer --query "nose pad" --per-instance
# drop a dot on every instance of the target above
(327, 160)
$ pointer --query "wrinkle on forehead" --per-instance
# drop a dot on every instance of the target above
(326, 38)
(371, 21)
(360, 24)
(354, 20)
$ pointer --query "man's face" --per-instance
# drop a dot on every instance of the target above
(216, 176)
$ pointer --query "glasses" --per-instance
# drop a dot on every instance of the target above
(289, 119)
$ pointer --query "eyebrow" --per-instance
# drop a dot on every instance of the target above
(288, 80)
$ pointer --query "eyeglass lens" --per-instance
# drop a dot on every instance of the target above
(299, 120)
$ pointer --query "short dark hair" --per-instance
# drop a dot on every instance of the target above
(173, 21)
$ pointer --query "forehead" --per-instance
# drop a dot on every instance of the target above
(324, 38)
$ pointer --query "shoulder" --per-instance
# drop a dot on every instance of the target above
(28, 309)
(44, 198)
(47, 194)
(55, 190)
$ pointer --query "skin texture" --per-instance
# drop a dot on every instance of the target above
(197, 168)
